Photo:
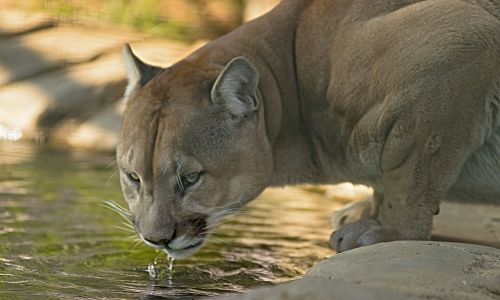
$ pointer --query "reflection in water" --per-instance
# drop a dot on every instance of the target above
(58, 241)
(170, 264)
(10, 134)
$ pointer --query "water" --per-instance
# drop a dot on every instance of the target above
(170, 264)
(58, 242)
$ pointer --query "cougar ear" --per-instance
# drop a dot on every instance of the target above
(138, 72)
(236, 87)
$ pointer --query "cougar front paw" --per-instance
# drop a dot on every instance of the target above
(347, 236)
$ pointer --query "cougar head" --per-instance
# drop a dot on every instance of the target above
(193, 147)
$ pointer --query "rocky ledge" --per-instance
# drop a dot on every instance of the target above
(396, 270)
(63, 82)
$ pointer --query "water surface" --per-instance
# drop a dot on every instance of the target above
(58, 241)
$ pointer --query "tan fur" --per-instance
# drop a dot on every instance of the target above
(400, 95)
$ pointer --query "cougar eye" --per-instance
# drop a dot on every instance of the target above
(190, 179)
(133, 177)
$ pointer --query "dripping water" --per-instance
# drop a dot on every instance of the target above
(154, 271)
(170, 263)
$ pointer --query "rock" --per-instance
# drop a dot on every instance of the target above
(57, 104)
(435, 270)
(471, 222)
(316, 289)
(100, 132)
(396, 270)
(74, 93)
(15, 23)
(31, 54)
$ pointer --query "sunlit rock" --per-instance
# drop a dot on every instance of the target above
(99, 132)
(316, 289)
(396, 270)
(42, 103)
(32, 54)
(430, 270)
(16, 22)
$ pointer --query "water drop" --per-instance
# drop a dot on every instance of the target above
(170, 263)
(152, 271)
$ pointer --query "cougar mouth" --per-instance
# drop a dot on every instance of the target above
(193, 245)
(186, 251)
(179, 247)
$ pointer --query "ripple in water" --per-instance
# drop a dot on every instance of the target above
(153, 269)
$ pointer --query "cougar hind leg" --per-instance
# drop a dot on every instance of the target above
(352, 212)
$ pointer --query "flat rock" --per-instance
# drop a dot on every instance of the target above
(477, 223)
(77, 92)
(396, 270)
(27, 55)
(16, 22)
(316, 289)
(100, 132)
(435, 270)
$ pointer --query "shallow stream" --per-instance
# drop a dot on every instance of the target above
(57, 241)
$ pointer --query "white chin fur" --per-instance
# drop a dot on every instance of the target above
(183, 253)
(178, 253)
